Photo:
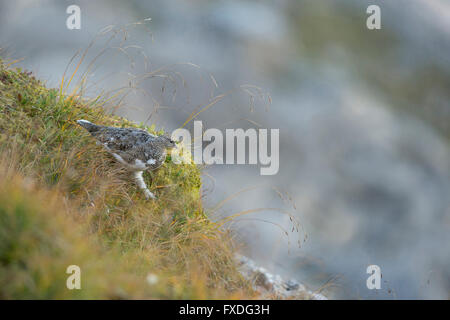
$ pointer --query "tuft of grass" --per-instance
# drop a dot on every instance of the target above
(64, 201)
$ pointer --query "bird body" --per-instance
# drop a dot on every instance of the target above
(136, 149)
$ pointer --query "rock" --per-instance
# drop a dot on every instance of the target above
(273, 286)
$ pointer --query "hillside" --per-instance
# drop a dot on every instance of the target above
(64, 201)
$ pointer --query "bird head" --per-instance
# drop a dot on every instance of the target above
(167, 142)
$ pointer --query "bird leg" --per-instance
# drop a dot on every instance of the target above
(141, 184)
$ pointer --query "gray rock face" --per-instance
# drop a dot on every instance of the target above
(373, 187)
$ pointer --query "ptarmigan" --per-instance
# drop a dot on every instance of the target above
(136, 149)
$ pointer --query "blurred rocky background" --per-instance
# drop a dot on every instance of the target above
(363, 118)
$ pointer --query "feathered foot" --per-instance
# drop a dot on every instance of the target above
(141, 184)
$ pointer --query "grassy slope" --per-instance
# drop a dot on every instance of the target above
(63, 201)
